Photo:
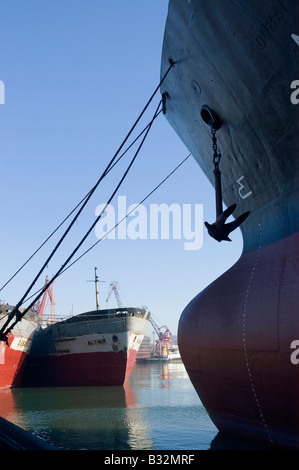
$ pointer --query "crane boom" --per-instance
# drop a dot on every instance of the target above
(155, 326)
(41, 306)
(164, 341)
(114, 288)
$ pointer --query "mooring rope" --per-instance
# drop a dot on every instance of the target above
(73, 210)
(119, 222)
(15, 312)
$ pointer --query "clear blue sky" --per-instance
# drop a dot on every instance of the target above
(77, 74)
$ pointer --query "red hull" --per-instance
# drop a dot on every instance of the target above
(93, 348)
(235, 341)
(91, 369)
(11, 365)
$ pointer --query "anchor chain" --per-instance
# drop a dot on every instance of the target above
(217, 153)
(219, 230)
(217, 173)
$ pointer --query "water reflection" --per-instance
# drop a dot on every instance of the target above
(158, 409)
(78, 417)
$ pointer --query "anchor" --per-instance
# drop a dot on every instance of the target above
(219, 230)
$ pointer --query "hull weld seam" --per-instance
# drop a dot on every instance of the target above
(245, 344)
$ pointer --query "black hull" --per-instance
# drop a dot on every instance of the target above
(236, 336)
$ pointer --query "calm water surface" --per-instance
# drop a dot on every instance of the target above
(158, 410)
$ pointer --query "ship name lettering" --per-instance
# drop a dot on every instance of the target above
(243, 196)
(24, 342)
(270, 24)
(92, 342)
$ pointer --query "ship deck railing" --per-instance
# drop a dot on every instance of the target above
(48, 320)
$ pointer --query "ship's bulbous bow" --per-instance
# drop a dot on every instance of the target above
(237, 339)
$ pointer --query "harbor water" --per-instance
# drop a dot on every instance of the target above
(157, 410)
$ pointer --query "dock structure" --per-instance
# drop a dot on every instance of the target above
(13, 437)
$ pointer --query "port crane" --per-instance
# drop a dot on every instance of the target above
(164, 342)
(40, 307)
(114, 286)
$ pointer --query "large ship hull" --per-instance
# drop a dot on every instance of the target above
(238, 337)
(14, 354)
(95, 348)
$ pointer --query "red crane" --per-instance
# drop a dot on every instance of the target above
(40, 307)
(164, 342)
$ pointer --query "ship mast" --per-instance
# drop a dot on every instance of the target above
(96, 281)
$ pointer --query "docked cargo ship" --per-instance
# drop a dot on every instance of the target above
(92, 348)
(14, 351)
(232, 97)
